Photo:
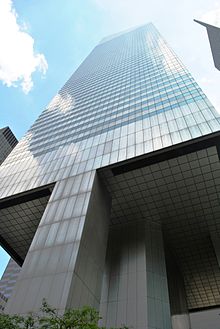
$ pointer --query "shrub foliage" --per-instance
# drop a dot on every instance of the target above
(49, 318)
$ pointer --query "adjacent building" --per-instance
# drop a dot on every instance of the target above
(7, 282)
(7, 142)
(111, 199)
(3, 301)
(214, 39)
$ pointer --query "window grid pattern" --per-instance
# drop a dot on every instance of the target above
(129, 97)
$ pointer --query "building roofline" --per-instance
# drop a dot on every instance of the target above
(115, 35)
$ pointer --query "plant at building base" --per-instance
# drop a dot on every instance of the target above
(17, 322)
(84, 318)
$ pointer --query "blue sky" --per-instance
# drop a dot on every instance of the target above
(45, 41)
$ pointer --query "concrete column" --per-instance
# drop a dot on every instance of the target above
(66, 258)
(181, 321)
(89, 267)
(178, 304)
(135, 291)
(157, 288)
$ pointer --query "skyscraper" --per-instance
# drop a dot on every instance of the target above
(111, 198)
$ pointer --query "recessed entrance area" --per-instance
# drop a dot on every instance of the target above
(19, 218)
(182, 195)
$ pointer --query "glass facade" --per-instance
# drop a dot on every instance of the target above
(130, 96)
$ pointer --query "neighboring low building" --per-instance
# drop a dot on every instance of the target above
(214, 39)
(7, 142)
(8, 280)
(3, 301)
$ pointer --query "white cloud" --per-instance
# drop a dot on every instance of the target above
(127, 13)
(62, 102)
(123, 5)
(206, 80)
(18, 61)
(213, 16)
